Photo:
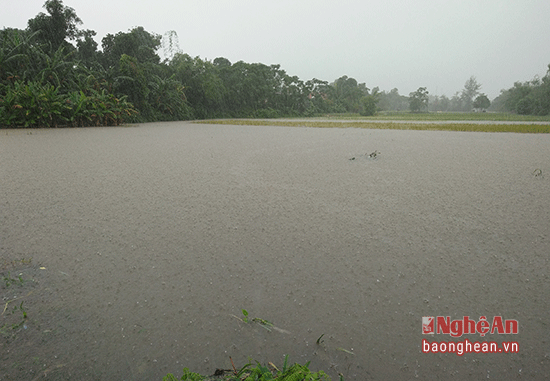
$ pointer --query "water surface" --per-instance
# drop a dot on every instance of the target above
(153, 238)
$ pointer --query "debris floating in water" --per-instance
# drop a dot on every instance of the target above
(370, 156)
(373, 155)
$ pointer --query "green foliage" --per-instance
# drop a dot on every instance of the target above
(18, 320)
(58, 25)
(411, 125)
(167, 99)
(8, 280)
(187, 376)
(137, 43)
(262, 322)
(418, 100)
(245, 315)
(52, 74)
(267, 113)
(320, 339)
(482, 102)
(97, 108)
(393, 101)
(12, 312)
(471, 89)
(462, 101)
(528, 98)
(15, 50)
(369, 103)
(348, 93)
(260, 372)
(455, 116)
(86, 46)
(34, 105)
(202, 84)
(133, 82)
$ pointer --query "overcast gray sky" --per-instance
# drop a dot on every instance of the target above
(401, 44)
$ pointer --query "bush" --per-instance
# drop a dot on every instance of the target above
(267, 113)
(524, 106)
(31, 105)
(296, 372)
(34, 105)
(368, 104)
(98, 108)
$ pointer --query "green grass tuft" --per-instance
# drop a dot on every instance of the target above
(260, 372)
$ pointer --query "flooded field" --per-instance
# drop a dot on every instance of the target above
(135, 249)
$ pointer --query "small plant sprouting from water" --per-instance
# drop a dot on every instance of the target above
(263, 323)
(20, 308)
(7, 328)
(266, 324)
(13, 313)
(319, 340)
(8, 280)
(245, 315)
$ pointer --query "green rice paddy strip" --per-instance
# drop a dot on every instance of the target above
(473, 127)
(447, 116)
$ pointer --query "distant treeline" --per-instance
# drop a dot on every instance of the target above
(528, 98)
(53, 74)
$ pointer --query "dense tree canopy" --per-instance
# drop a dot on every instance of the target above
(137, 43)
(531, 97)
(60, 24)
(62, 69)
(482, 102)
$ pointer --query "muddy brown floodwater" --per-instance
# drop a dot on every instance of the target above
(146, 242)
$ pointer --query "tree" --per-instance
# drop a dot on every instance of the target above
(541, 95)
(221, 62)
(516, 98)
(18, 53)
(137, 43)
(418, 100)
(57, 26)
(369, 102)
(204, 88)
(393, 101)
(470, 91)
(482, 102)
(348, 93)
(317, 101)
(531, 97)
(133, 83)
(87, 47)
(439, 103)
